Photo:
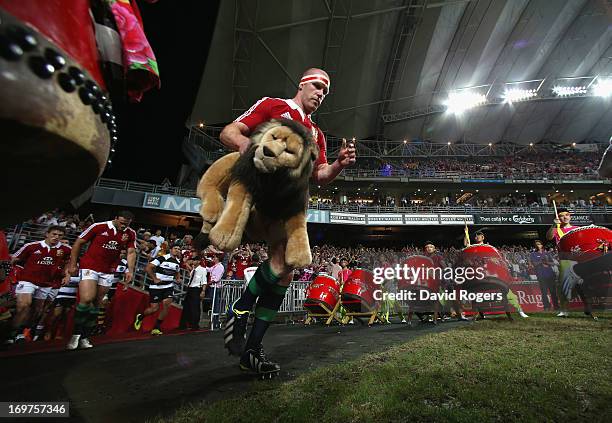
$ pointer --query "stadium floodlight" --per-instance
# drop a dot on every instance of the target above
(603, 88)
(460, 101)
(515, 94)
(569, 91)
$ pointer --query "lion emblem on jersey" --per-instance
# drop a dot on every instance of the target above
(264, 191)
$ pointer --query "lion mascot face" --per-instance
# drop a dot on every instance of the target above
(283, 144)
(266, 188)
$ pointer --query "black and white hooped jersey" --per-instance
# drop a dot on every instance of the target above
(166, 268)
(70, 289)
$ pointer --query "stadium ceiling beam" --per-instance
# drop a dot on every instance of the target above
(405, 30)
(327, 6)
(278, 62)
(446, 3)
(241, 57)
(326, 18)
(332, 52)
(435, 109)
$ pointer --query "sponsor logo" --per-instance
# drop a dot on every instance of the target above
(522, 219)
(104, 233)
(286, 115)
(111, 245)
(45, 261)
(37, 252)
(579, 219)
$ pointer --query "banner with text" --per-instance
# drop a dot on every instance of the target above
(385, 219)
(347, 218)
(422, 219)
(192, 205)
(456, 219)
(507, 219)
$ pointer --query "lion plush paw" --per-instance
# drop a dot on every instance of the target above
(296, 255)
(225, 239)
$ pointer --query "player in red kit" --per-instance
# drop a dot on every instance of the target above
(268, 286)
(97, 267)
(40, 263)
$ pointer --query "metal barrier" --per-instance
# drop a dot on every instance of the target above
(462, 209)
(231, 290)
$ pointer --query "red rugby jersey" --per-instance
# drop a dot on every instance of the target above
(106, 243)
(41, 261)
(271, 108)
(240, 262)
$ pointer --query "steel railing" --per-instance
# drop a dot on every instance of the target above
(463, 209)
(453, 174)
(144, 187)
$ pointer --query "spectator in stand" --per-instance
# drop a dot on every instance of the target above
(188, 240)
(239, 260)
(335, 268)
(173, 239)
(164, 249)
(345, 273)
(158, 238)
(250, 271)
(187, 254)
(47, 219)
(69, 225)
(41, 262)
(154, 249)
(143, 242)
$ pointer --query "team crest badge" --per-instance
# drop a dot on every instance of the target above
(124, 237)
(59, 253)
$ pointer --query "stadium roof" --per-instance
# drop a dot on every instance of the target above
(400, 59)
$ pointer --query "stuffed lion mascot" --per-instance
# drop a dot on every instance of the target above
(263, 192)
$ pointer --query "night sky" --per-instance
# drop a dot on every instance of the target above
(151, 132)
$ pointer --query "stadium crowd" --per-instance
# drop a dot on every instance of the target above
(458, 199)
(579, 165)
